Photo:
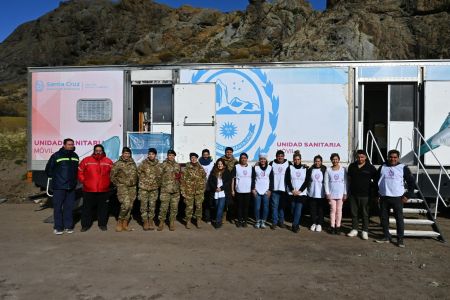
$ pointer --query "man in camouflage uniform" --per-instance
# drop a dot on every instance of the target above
(193, 183)
(170, 190)
(230, 162)
(124, 177)
(149, 182)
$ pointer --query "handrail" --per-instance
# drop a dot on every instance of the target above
(373, 142)
(400, 140)
(442, 171)
(47, 190)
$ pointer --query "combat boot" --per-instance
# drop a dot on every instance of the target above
(119, 226)
(199, 223)
(188, 224)
(125, 225)
(172, 226)
(151, 225)
(146, 225)
(161, 225)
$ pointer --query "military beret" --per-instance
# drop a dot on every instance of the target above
(152, 150)
(193, 154)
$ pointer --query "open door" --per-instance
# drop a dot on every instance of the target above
(194, 119)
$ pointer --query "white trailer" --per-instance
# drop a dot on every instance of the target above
(316, 107)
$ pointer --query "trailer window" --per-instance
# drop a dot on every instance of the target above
(162, 104)
(94, 110)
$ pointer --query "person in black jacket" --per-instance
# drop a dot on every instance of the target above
(218, 183)
(62, 168)
(362, 177)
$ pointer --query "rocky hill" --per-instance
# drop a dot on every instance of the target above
(92, 32)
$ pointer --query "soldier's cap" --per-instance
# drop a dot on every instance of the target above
(263, 155)
(152, 150)
(126, 149)
(243, 154)
(193, 154)
(171, 151)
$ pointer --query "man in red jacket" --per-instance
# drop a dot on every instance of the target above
(93, 173)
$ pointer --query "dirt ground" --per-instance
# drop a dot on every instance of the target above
(229, 263)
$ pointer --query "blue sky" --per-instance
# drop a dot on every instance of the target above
(15, 12)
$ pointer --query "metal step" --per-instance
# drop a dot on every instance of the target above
(414, 221)
(418, 233)
(413, 211)
(414, 200)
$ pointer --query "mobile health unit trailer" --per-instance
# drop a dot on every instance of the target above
(316, 107)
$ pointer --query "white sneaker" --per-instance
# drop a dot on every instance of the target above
(257, 225)
(353, 233)
(318, 228)
(57, 232)
(313, 227)
(364, 235)
(68, 230)
(262, 225)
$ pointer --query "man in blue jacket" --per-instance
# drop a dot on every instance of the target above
(62, 168)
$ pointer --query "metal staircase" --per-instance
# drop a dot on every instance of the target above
(416, 211)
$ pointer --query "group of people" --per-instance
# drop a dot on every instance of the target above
(224, 190)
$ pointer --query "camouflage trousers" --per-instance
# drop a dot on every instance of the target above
(148, 203)
(190, 200)
(167, 199)
(126, 196)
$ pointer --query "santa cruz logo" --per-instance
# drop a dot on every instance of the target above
(39, 85)
(246, 109)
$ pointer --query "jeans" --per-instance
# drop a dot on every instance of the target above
(316, 205)
(90, 201)
(296, 207)
(220, 204)
(264, 200)
(63, 203)
(360, 208)
(278, 200)
(243, 203)
(397, 205)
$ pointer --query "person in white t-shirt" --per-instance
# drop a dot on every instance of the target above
(336, 192)
(262, 183)
(241, 188)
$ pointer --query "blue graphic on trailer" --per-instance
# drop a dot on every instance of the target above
(243, 99)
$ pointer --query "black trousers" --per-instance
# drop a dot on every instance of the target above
(243, 203)
(208, 206)
(386, 203)
(360, 209)
(92, 201)
(316, 205)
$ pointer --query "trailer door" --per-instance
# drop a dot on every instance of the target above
(194, 119)
(437, 122)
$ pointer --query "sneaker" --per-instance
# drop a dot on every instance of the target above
(262, 225)
(58, 232)
(281, 225)
(84, 229)
(318, 228)
(103, 228)
(273, 226)
(332, 230)
(353, 233)
(400, 243)
(238, 224)
(383, 240)
(257, 225)
(295, 229)
(313, 227)
(244, 224)
(365, 235)
(68, 230)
